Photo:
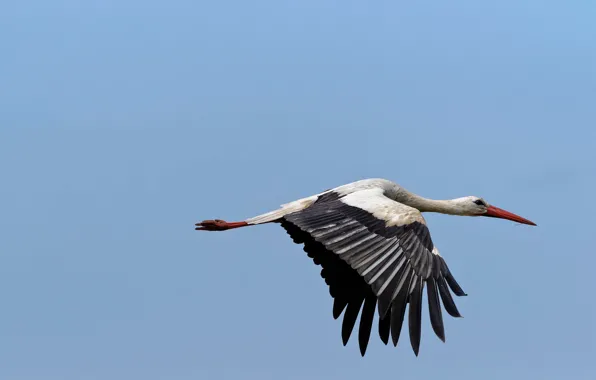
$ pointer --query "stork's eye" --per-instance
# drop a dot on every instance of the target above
(480, 202)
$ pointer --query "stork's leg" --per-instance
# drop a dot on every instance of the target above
(218, 225)
(269, 217)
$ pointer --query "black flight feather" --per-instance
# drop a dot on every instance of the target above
(434, 308)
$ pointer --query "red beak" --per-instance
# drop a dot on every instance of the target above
(496, 212)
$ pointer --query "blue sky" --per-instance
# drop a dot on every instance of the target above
(122, 123)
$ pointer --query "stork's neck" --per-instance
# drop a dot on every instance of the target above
(399, 194)
(434, 205)
(428, 205)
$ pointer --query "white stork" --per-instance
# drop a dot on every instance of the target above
(374, 247)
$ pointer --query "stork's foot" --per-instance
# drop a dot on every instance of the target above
(218, 225)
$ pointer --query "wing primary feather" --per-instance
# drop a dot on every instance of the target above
(434, 308)
(385, 327)
(415, 316)
(339, 304)
(387, 296)
(451, 280)
(436, 265)
(366, 321)
(447, 299)
(350, 317)
(418, 254)
(425, 266)
(398, 309)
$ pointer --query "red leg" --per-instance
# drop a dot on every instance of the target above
(218, 225)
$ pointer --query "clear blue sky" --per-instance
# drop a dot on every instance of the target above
(122, 123)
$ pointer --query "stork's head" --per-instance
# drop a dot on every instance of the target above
(475, 206)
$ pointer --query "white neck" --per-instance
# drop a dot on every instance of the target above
(450, 206)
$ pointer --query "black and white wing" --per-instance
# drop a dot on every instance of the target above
(375, 251)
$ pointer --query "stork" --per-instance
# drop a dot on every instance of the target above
(376, 253)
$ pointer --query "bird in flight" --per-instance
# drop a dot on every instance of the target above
(376, 253)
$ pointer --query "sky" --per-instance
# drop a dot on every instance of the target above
(122, 123)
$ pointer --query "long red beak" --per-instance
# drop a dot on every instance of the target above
(496, 212)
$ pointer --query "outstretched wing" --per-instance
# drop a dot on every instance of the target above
(375, 251)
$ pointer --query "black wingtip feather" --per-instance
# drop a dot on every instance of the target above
(398, 309)
(384, 305)
(339, 305)
(385, 328)
(415, 316)
(366, 321)
(434, 309)
(350, 319)
(457, 290)
(448, 302)
(386, 298)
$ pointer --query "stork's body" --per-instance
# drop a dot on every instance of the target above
(376, 252)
